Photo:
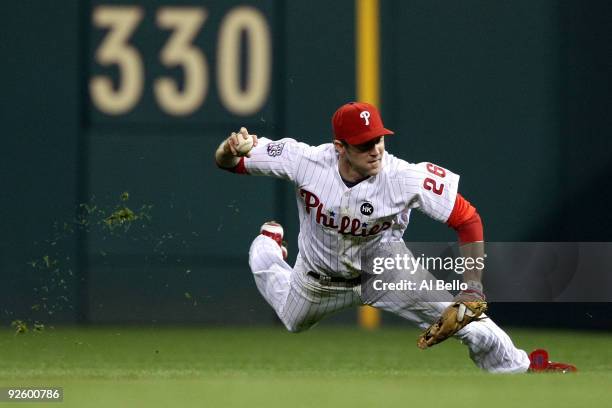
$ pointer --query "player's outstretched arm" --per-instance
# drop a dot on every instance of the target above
(466, 221)
(230, 151)
(470, 304)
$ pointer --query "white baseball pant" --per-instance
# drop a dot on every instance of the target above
(300, 301)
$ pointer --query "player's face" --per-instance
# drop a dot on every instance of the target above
(364, 159)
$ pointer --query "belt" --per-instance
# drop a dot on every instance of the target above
(327, 279)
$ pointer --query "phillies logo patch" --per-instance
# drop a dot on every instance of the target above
(275, 149)
(366, 208)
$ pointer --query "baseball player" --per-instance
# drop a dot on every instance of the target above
(352, 197)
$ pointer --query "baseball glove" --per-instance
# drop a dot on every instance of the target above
(454, 318)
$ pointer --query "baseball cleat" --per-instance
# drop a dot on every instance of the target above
(274, 230)
(541, 364)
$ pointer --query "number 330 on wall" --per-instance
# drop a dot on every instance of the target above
(179, 51)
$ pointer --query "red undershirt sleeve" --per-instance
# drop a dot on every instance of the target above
(465, 220)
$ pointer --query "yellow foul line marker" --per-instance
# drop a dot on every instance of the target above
(367, 48)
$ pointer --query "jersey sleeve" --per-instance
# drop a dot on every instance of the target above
(430, 188)
(276, 158)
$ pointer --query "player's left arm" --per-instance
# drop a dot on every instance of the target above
(466, 221)
(437, 196)
(434, 190)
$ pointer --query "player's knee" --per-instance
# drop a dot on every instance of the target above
(294, 330)
(296, 327)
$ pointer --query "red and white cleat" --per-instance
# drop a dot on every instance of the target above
(274, 230)
(541, 364)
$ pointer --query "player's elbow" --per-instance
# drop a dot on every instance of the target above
(466, 221)
(471, 230)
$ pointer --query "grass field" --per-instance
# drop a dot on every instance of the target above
(339, 367)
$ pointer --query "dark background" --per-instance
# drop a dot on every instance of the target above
(513, 96)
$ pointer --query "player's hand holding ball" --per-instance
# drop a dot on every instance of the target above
(241, 143)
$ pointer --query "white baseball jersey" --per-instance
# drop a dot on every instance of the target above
(338, 223)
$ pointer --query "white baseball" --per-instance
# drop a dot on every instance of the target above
(244, 146)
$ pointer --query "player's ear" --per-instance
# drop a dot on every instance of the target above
(340, 148)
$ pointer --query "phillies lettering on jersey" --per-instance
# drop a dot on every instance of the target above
(338, 223)
(347, 225)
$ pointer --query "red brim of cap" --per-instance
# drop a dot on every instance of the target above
(367, 136)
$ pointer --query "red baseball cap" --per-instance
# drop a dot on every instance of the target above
(358, 122)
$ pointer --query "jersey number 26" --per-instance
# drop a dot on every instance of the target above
(429, 183)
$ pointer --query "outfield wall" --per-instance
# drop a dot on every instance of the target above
(510, 96)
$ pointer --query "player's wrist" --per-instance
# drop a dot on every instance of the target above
(474, 285)
(474, 289)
